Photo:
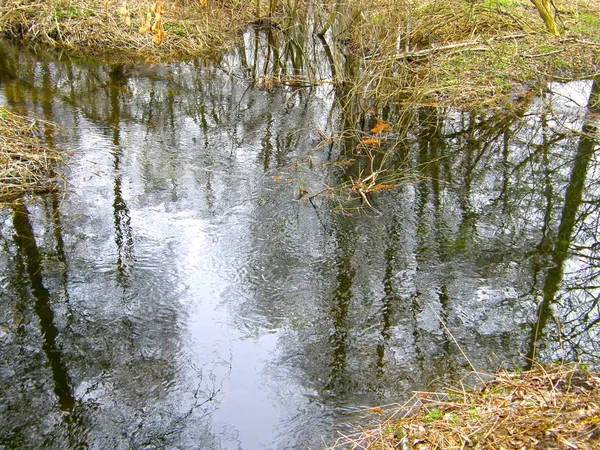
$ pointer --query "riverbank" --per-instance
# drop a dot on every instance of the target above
(26, 165)
(158, 31)
(551, 407)
(462, 53)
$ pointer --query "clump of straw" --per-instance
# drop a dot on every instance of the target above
(554, 407)
(25, 163)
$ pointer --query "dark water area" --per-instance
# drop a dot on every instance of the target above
(181, 291)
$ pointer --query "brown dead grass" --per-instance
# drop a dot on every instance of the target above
(554, 407)
(25, 163)
(463, 53)
(471, 54)
(107, 28)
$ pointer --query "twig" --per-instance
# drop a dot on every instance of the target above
(456, 343)
(429, 51)
(539, 55)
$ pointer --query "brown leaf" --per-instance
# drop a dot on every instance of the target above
(381, 127)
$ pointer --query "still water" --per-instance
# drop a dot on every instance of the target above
(181, 290)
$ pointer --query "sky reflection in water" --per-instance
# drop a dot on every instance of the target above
(179, 293)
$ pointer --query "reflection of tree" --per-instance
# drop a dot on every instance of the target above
(433, 238)
(352, 292)
(390, 299)
(133, 386)
(271, 54)
(266, 144)
(122, 220)
(339, 310)
(54, 197)
(7, 70)
(586, 313)
(27, 423)
(30, 254)
(459, 239)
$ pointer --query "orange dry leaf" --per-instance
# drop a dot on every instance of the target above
(276, 178)
(151, 24)
(145, 21)
(381, 127)
(157, 27)
(157, 7)
(159, 35)
(376, 410)
(204, 3)
(370, 141)
(385, 187)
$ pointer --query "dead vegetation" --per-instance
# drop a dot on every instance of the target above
(26, 165)
(180, 29)
(469, 54)
(554, 407)
(462, 52)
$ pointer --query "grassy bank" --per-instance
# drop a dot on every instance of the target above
(116, 28)
(465, 53)
(555, 407)
(26, 166)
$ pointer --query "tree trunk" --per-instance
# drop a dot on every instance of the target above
(543, 7)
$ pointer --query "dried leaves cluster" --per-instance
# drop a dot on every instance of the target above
(25, 164)
(554, 407)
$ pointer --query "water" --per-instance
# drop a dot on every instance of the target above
(181, 291)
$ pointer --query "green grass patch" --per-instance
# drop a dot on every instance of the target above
(504, 4)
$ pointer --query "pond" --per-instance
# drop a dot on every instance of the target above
(202, 280)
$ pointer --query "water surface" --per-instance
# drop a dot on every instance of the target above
(181, 291)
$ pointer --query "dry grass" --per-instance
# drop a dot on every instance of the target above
(470, 54)
(461, 52)
(554, 407)
(108, 28)
(25, 164)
